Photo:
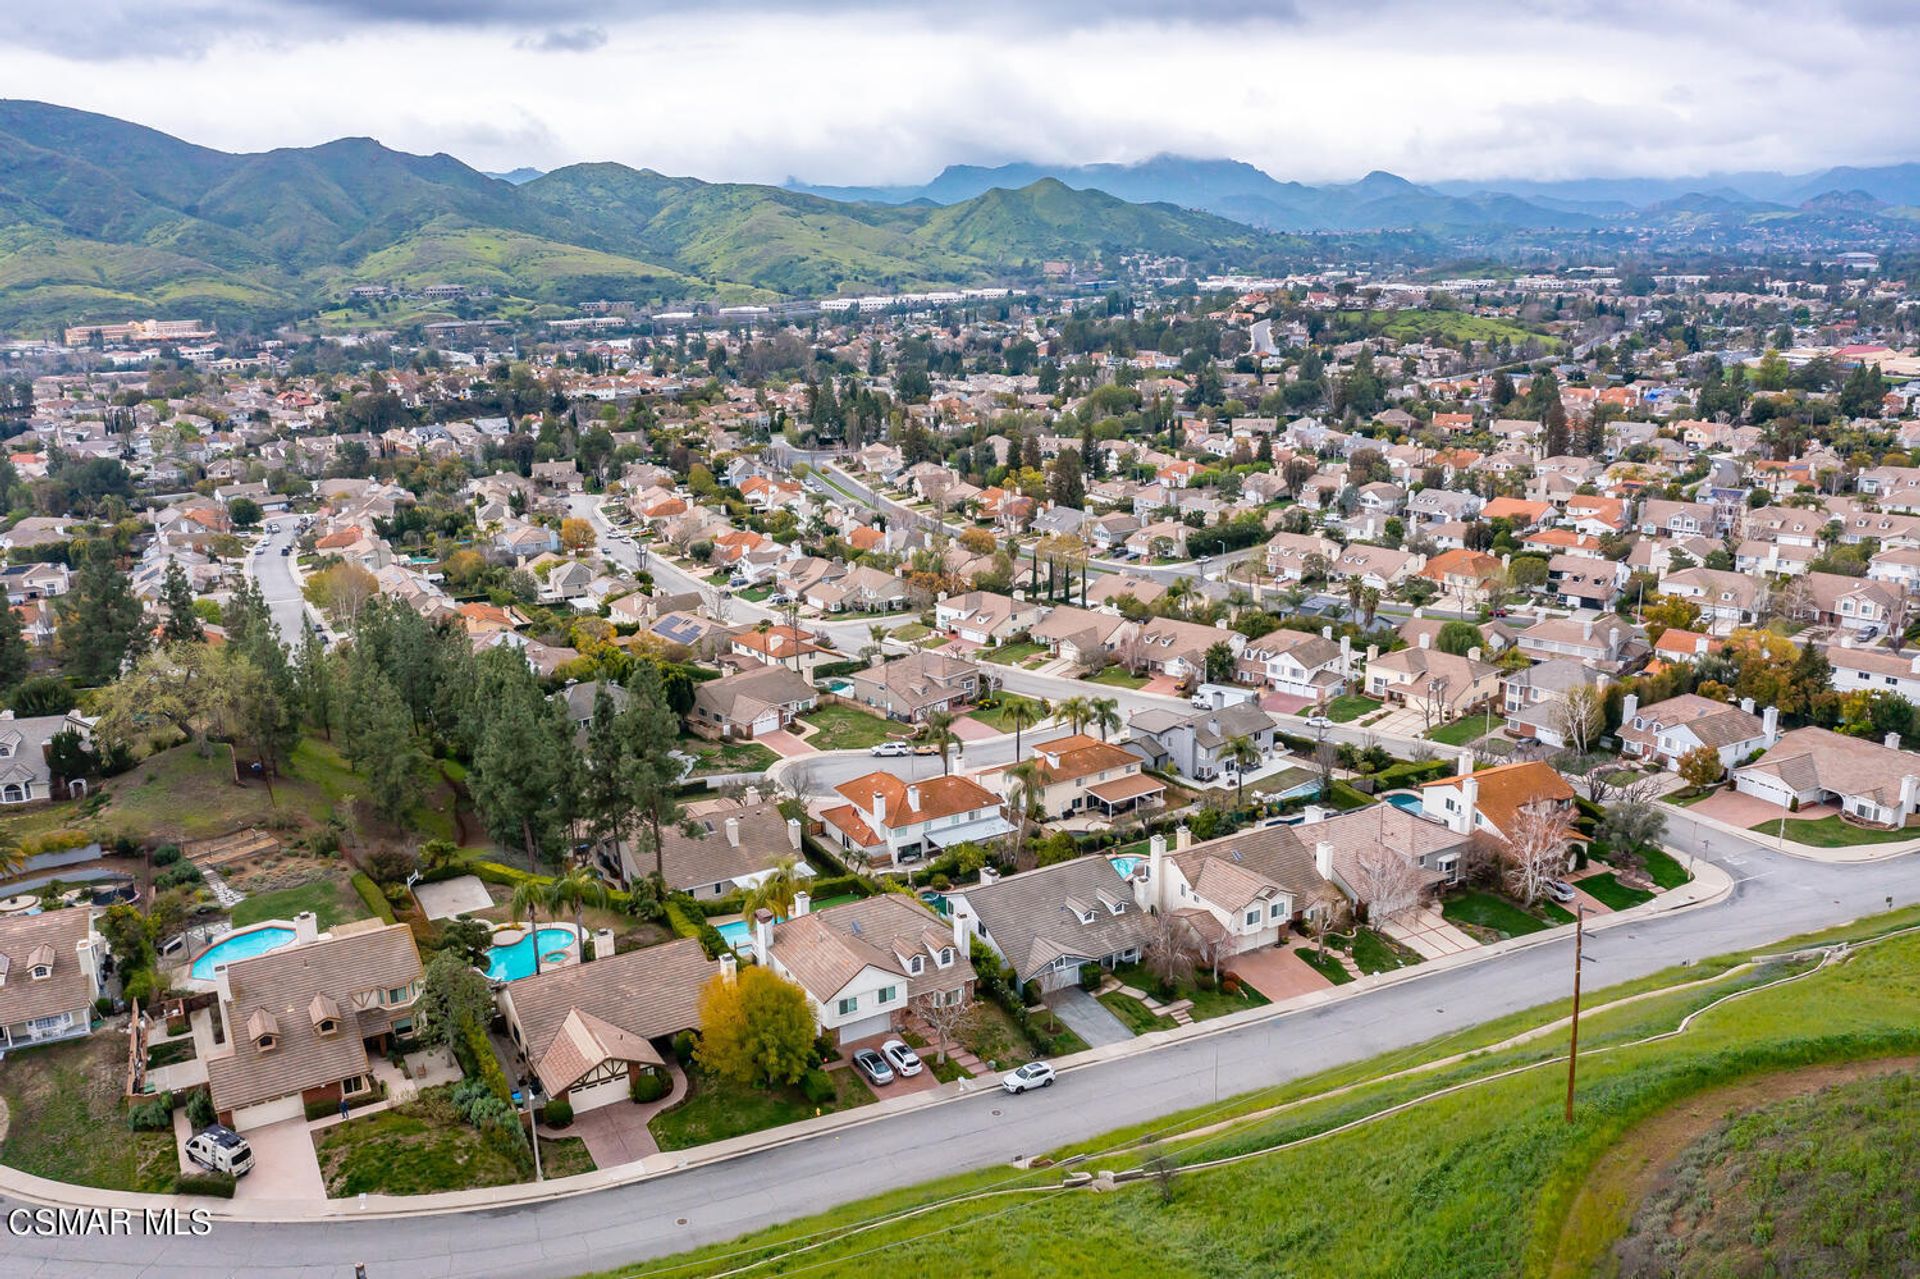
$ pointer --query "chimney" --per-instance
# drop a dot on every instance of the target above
(1770, 724)
(1700, 648)
(962, 921)
(1473, 654)
(751, 797)
(1326, 632)
(1463, 767)
(1182, 839)
(879, 808)
(1312, 814)
(1613, 641)
(913, 798)
(793, 833)
(762, 934)
(306, 927)
(988, 875)
(1373, 651)
(1629, 707)
(223, 987)
(1323, 860)
(1469, 801)
(802, 903)
(1156, 871)
(1426, 639)
(1746, 704)
(729, 966)
(1909, 794)
(733, 832)
(1891, 741)
(1419, 612)
(1586, 629)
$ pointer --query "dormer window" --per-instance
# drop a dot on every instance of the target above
(1086, 917)
(916, 965)
(41, 972)
(946, 956)
(263, 1030)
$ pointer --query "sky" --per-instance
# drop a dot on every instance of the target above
(893, 91)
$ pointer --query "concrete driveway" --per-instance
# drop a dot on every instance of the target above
(1428, 934)
(1277, 974)
(1088, 1017)
(1748, 811)
(284, 1164)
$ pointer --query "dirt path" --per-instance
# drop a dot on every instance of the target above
(1635, 1166)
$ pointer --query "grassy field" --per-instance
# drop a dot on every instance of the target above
(1484, 910)
(1012, 654)
(842, 728)
(716, 1109)
(1480, 1183)
(1448, 327)
(1119, 677)
(1206, 1003)
(1327, 965)
(995, 717)
(1344, 710)
(1611, 893)
(1830, 832)
(65, 1120)
(1373, 953)
(333, 900)
(1468, 728)
(1135, 1014)
(727, 757)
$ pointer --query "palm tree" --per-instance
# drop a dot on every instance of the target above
(940, 733)
(776, 890)
(1369, 606)
(1024, 794)
(1075, 710)
(529, 896)
(1177, 592)
(1104, 714)
(1243, 754)
(576, 890)
(1023, 715)
(1354, 590)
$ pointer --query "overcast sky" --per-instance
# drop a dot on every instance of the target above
(891, 91)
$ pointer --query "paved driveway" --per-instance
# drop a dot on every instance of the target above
(1748, 811)
(1088, 1017)
(1277, 974)
(284, 1164)
(1428, 934)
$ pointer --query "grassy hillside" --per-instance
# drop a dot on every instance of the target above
(1466, 1169)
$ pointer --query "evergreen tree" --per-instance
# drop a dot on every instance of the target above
(15, 658)
(101, 627)
(1554, 436)
(176, 598)
(377, 739)
(518, 778)
(313, 683)
(652, 773)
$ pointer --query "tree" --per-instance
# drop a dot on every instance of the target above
(940, 734)
(1244, 754)
(576, 535)
(467, 938)
(1701, 767)
(452, 998)
(1104, 714)
(1170, 951)
(1458, 637)
(520, 773)
(176, 599)
(777, 888)
(529, 899)
(1580, 717)
(755, 1028)
(16, 659)
(200, 691)
(1387, 883)
(101, 624)
(576, 890)
(1219, 660)
(244, 512)
(1536, 848)
(377, 738)
(944, 1011)
(1022, 714)
(651, 772)
(313, 674)
(1632, 824)
(341, 591)
(1026, 791)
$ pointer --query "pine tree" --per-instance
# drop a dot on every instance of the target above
(15, 658)
(517, 779)
(101, 627)
(652, 772)
(313, 683)
(176, 597)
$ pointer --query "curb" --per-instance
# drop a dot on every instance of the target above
(1853, 855)
(1710, 886)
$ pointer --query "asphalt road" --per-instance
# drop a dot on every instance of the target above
(1774, 896)
(274, 572)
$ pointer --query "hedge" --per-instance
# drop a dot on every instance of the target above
(684, 917)
(834, 670)
(477, 1061)
(324, 1109)
(214, 1185)
(370, 894)
(1412, 773)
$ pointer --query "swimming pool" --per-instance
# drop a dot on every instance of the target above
(1123, 866)
(511, 963)
(255, 941)
(1406, 802)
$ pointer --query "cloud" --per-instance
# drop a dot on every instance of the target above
(576, 40)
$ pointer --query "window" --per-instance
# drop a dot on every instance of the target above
(946, 956)
(1276, 910)
(399, 994)
(1253, 918)
(848, 1004)
(40, 972)
(887, 993)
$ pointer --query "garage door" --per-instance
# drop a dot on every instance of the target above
(866, 1028)
(269, 1112)
(596, 1095)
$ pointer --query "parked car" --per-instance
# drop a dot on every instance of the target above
(873, 1066)
(286, 550)
(779, 597)
(905, 1061)
(1560, 890)
(888, 750)
(221, 1149)
(1035, 1074)
(925, 748)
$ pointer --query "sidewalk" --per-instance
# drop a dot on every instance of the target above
(1854, 855)
(1711, 884)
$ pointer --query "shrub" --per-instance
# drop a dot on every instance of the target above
(557, 1113)
(153, 1115)
(647, 1087)
(370, 894)
(166, 854)
(1203, 980)
(683, 1045)
(200, 1108)
(214, 1185)
(1090, 977)
(817, 1087)
(1230, 985)
(178, 875)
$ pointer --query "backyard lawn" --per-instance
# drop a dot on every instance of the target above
(1468, 728)
(716, 1109)
(1118, 677)
(66, 1121)
(1495, 914)
(1830, 832)
(842, 728)
(333, 900)
(1611, 893)
(1012, 654)
(1138, 1018)
(1343, 710)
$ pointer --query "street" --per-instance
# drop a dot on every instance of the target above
(1774, 896)
(274, 573)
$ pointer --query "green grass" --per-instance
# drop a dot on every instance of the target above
(171, 1053)
(910, 632)
(1830, 832)
(1326, 965)
(1138, 1018)
(843, 728)
(419, 1147)
(332, 900)
(1344, 710)
(727, 757)
(1373, 953)
(564, 1157)
(1484, 910)
(1611, 893)
(1011, 654)
(989, 1034)
(1119, 677)
(996, 716)
(66, 1122)
(1663, 870)
(1468, 728)
(1481, 1183)
(716, 1108)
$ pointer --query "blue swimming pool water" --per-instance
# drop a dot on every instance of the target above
(245, 945)
(1410, 803)
(737, 934)
(1123, 866)
(511, 963)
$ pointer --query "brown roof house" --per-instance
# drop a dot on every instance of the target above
(1665, 731)
(892, 821)
(757, 701)
(1873, 783)
(864, 963)
(1440, 685)
(1048, 923)
(913, 686)
(737, 842)
(49, 976)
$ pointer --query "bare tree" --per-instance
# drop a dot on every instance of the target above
(1387, 882)
(1439, 701)
(1537, 849)
(1579, 717)
(1170, 951)
(1160, 1166)
(943, 1019)
(1326, 911)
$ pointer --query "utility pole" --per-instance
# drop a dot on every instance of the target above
(1573, 1040)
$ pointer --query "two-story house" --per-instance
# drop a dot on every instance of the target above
(891, 822)
(863, 964)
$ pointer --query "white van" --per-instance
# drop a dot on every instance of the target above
(221, 1149)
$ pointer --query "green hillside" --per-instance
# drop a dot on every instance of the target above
(113, 218)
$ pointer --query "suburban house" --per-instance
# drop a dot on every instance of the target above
(1234, 894)
(1665, 731)
(299, 1019)
(782, 645)
(1466, 576)
(25, 775)
(1298, 663)
(1047, 923)
(911, 687)
(1855, 604)
(587, 1029)
(1440, 685)
(863, 964)
(860, 589)
(762, 700)
(1874, 783)
(1612, 644)
(1194, 743)
(1177, 648)
(733, 845)
(1078, 773)
(49, 976)
(1535, 699)
(1873, 668)
(1726, 599)
(1493, 800)
(985, 618)
(1081, 635)
(892, 821)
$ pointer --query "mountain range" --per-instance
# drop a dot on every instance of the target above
(100, 218)
(1382, 201)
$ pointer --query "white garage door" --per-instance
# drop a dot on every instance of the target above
(866, 1027)
(269, 1112)
(595, 1096)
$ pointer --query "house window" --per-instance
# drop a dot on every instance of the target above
(353, 1087)
(398, 995)
(1253, 918)
(40, 972)
(915, 965)
(946, 956)
(887, 993)
(848, 1004)
(1275, 911)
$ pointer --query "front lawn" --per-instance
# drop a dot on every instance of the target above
(1138, 1018)
(910, 632)
(1663, 870)
(1494, 914)
(1119, 677)
(844, 728)
(1326, 965)
(1012, 654)
(332, 900)
(1206, 1003)
(995, 716)
(1373, 953)
(1344, 710)
(65, 1120)
(1830, 832)
(1469, 728)
(726, 757)
(419, 1147)
(1611, 893)
(716, 1109)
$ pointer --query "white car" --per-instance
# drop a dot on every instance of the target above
(889, 750)
(1319, 722)
(1560, 890)
(1035, 1074)
(905, 1061)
